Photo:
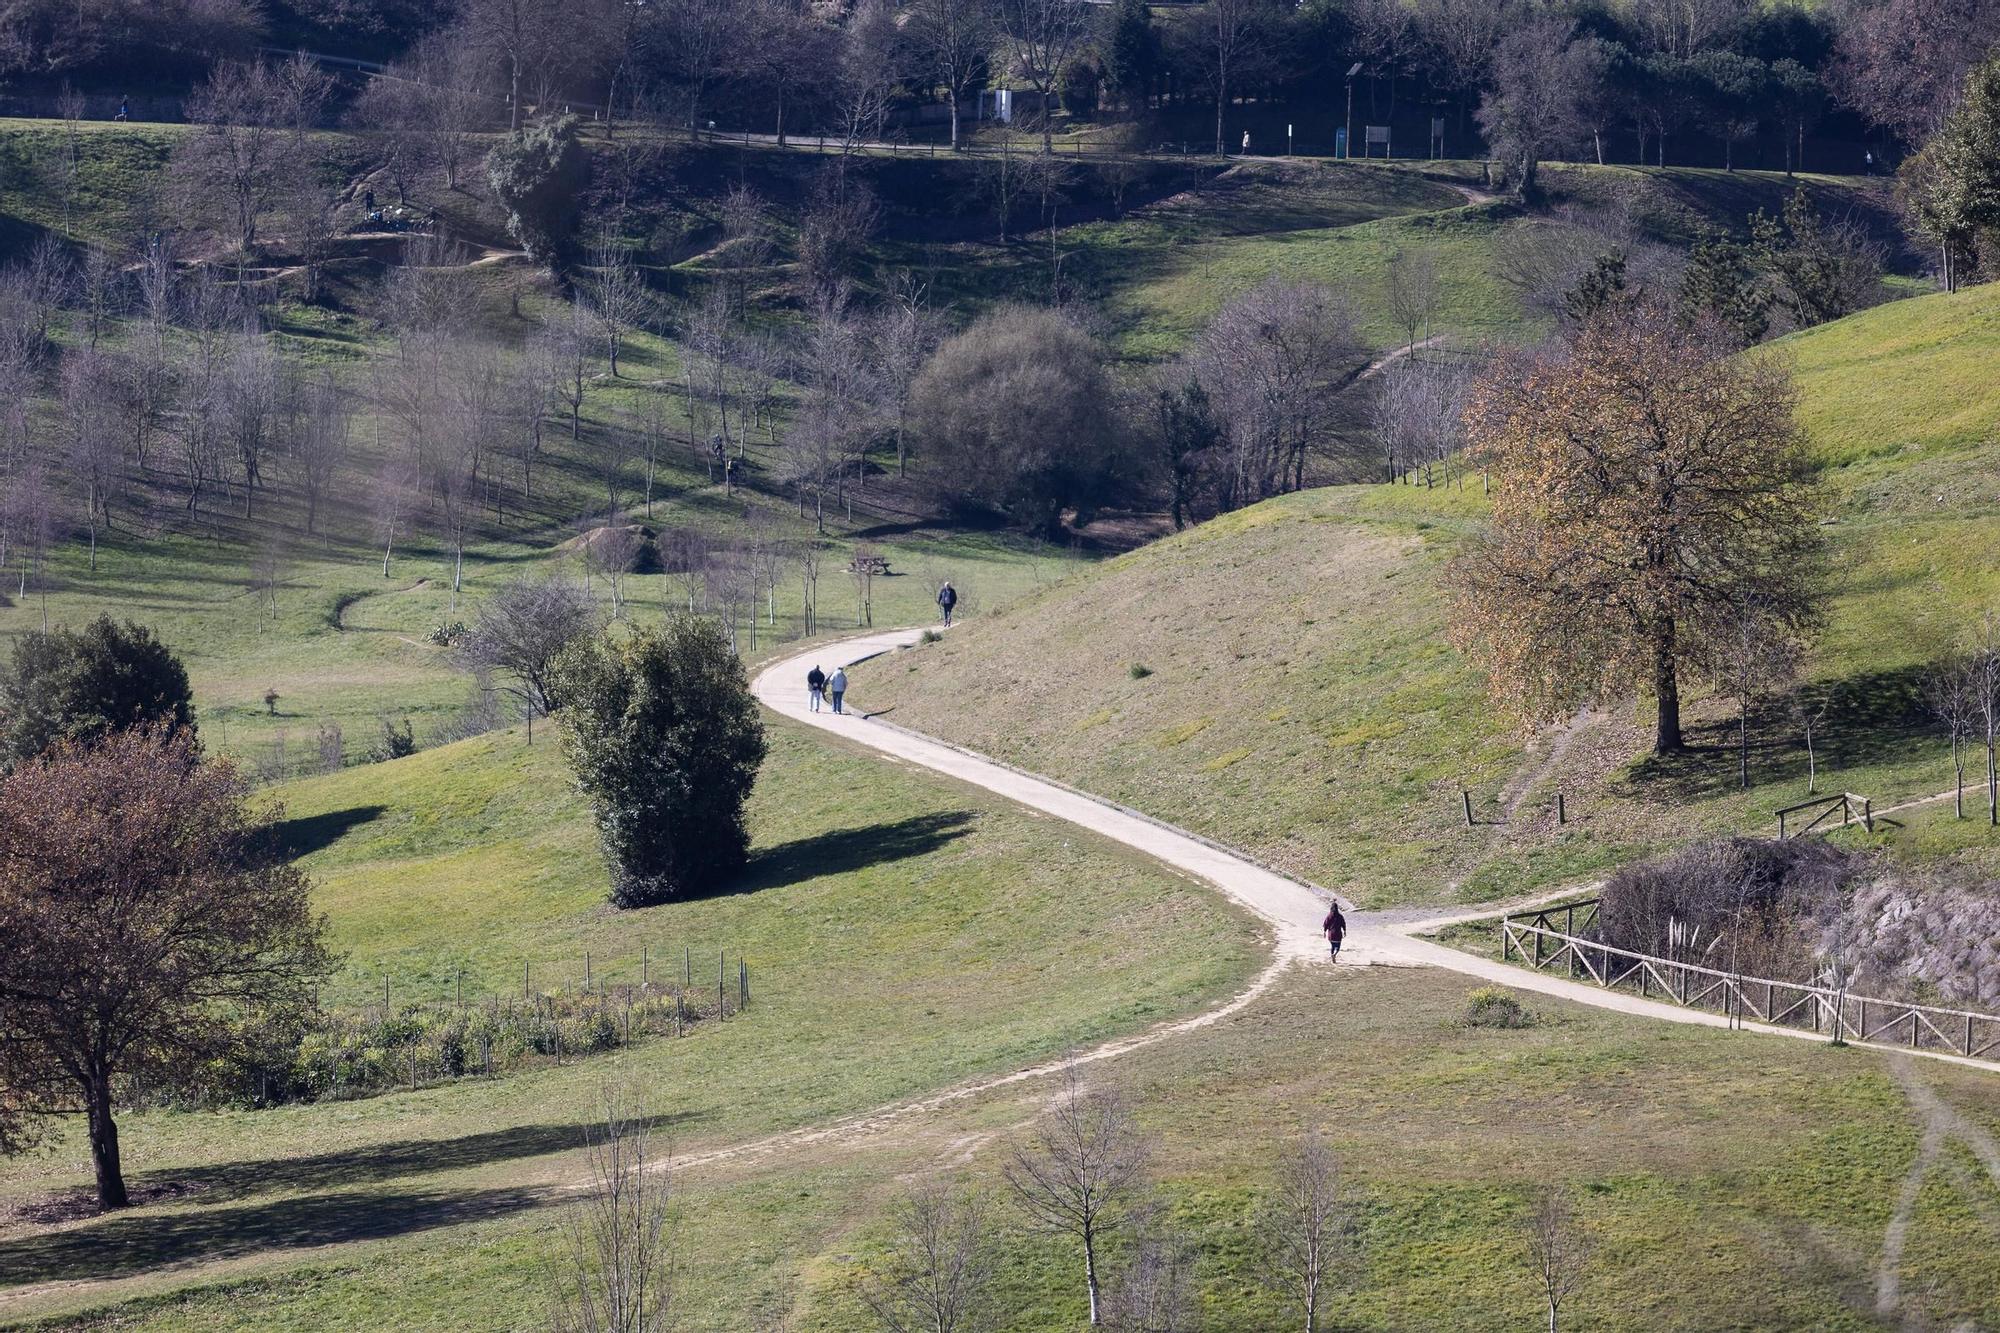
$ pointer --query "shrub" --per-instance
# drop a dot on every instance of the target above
(537, 175)
(1496, 1007)
(83, 685)
(1139, 671)
(1750, 891)
(445, 633)
(665, 739)
(398, 742)
(930, 636)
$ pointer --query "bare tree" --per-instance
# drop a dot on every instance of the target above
(1413, 292)
(1952, 690)
(270, 569)
(1762, 656)
(1306, 1224)
(531, 40)
(902, 338)
(1043, 37)
(840, 215)
(1559, 1250)
(614, 1271)
(875, 56)
(571, 355)
(617, 295)
(318, 430)
(394, 495)
(1083, 1171)
(1535, 109)
(90, 436)
(1984, 655)
(940, 1265)
(1809, 709)
(252, 406)
(249, 143)
(522, 628)
(1229, 42)
(953, 39)
(1155, 1292)
(1420, 414)
(1273, 361)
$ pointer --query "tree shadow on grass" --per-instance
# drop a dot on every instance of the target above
(314, 833)
(844, 851)
(382, 1161)
(123, 1245)
(1876, 717)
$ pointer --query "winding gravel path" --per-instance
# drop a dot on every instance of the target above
(1292, 909)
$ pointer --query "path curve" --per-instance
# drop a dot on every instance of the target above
(1291, 907)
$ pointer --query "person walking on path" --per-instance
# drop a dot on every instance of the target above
(815, 686)
(1334, 928)
(836, 685)
(124, 109)
(947, 598)
(1246, 143)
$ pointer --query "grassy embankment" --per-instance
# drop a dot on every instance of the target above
(1303, 702)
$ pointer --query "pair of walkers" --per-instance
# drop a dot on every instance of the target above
(822, 686)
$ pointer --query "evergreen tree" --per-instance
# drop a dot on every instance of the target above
(664, 738)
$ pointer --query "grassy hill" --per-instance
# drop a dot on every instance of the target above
(1300, 701)
(872, 894)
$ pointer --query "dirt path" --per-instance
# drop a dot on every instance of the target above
(1291, 907)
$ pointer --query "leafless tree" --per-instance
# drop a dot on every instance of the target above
(425, 112)
(570, 351)
(27, 523)
(875, 56)
(1684, 28)
(331, 747)
(1420, 414)
(1306, 1225)
(1413, 292)
(902, 338)
(1273, 361)
(1229, 42)
(90, 436)
(1902, 63)
(1084, 1169)
(1761, 657)
(531, 41)
(316, 224)
(615, 1268)
(690, 38)
(835, 417)
(1952, 689)
(249, 145)
(810, 557)
(617, 294)
(1043, 37)
(940, 1266)
(69, 107)
(393, 497)
(270, 568)
(840, 215)
(1534, 110)
(953, 39)
(101, 291)
(1155, 1291)
(712, 337)
(319, 427)
(1559, 1250)
(522, 627)
(785, 51)
(1809, 709)
(252, 406)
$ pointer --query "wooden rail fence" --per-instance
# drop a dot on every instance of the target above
(1549, 938)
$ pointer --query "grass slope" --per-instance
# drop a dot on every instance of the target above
(873, 894)
(1303, 703)
(1728, 1182)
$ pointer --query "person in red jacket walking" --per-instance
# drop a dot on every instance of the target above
(1334, 928)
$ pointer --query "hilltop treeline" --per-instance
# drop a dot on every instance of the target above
(1653, 80)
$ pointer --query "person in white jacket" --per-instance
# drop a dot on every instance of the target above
(836, 685)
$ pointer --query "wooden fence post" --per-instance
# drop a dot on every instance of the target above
(1562, 809)
(1465, 797)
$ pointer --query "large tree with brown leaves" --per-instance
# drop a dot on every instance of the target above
(1649, 492)
(150, 924)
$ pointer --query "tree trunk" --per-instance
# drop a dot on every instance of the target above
(104, 1141)
(1090, 1274)
(1667, 689)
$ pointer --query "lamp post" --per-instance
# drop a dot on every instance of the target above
(1352, 70)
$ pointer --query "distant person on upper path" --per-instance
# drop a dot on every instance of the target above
(124, 109)
(1246, 143)
(836, 685)
(947, 599)
(816, 685)
(1334, 928)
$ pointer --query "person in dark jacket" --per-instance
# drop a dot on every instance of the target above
(1334, 928)
(947, 599)
(816, 685)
